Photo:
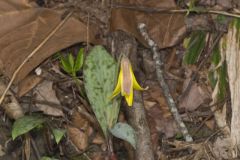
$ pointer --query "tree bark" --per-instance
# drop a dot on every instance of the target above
(233, 66)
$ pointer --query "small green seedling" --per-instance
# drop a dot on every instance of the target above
(71, 65)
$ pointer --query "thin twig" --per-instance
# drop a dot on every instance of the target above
(163, 84)
(182, 11)
(33, 53)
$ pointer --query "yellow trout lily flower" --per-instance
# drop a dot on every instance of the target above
(126, 82)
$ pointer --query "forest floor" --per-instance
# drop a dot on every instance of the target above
(50, 112)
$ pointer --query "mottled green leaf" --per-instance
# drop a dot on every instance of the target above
(79, 60)
(195, 47)
(25, 124)
(58, 134)
(100, 72)
(125, 132)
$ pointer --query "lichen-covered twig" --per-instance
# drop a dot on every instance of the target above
(163, 84)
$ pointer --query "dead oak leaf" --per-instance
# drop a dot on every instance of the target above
(25, 25)
(196, 96)
(165, 29)
(78, 138)
(45, 92)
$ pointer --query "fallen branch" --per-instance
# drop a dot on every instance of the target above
(33, 53)
(163, 84)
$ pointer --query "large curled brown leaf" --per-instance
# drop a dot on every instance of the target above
(24, 26)
(165, 29)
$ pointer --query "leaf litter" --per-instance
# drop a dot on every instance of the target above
(66, 109)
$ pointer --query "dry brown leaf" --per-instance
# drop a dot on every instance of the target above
(2, 153)
(98, 156)
(159, 117)
(153, 132)
(163, 124)
(79, 138)
(121, 117)
(98, 139)
(27, 148)
(24, 26)
(149, 104)
(197, 95)
(10, 104)
(45, 92)
(165, 29)
(156, 95)
(210, 124)
(80, 122)
(28, 83)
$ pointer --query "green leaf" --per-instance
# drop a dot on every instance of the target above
(195, 47)
(216, 56)
(79, 60)
(25, 124)
(100, 72)
(66, 65)
(125, 132)
(192, 4)
(219, 74)
(58, 134)
(212, 78)
(71, 61)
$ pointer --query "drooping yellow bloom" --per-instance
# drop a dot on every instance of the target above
(126, 82)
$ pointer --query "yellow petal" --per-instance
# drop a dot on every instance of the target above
(135, 83)
(127, 82)
(117, 89)
(129, 98)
